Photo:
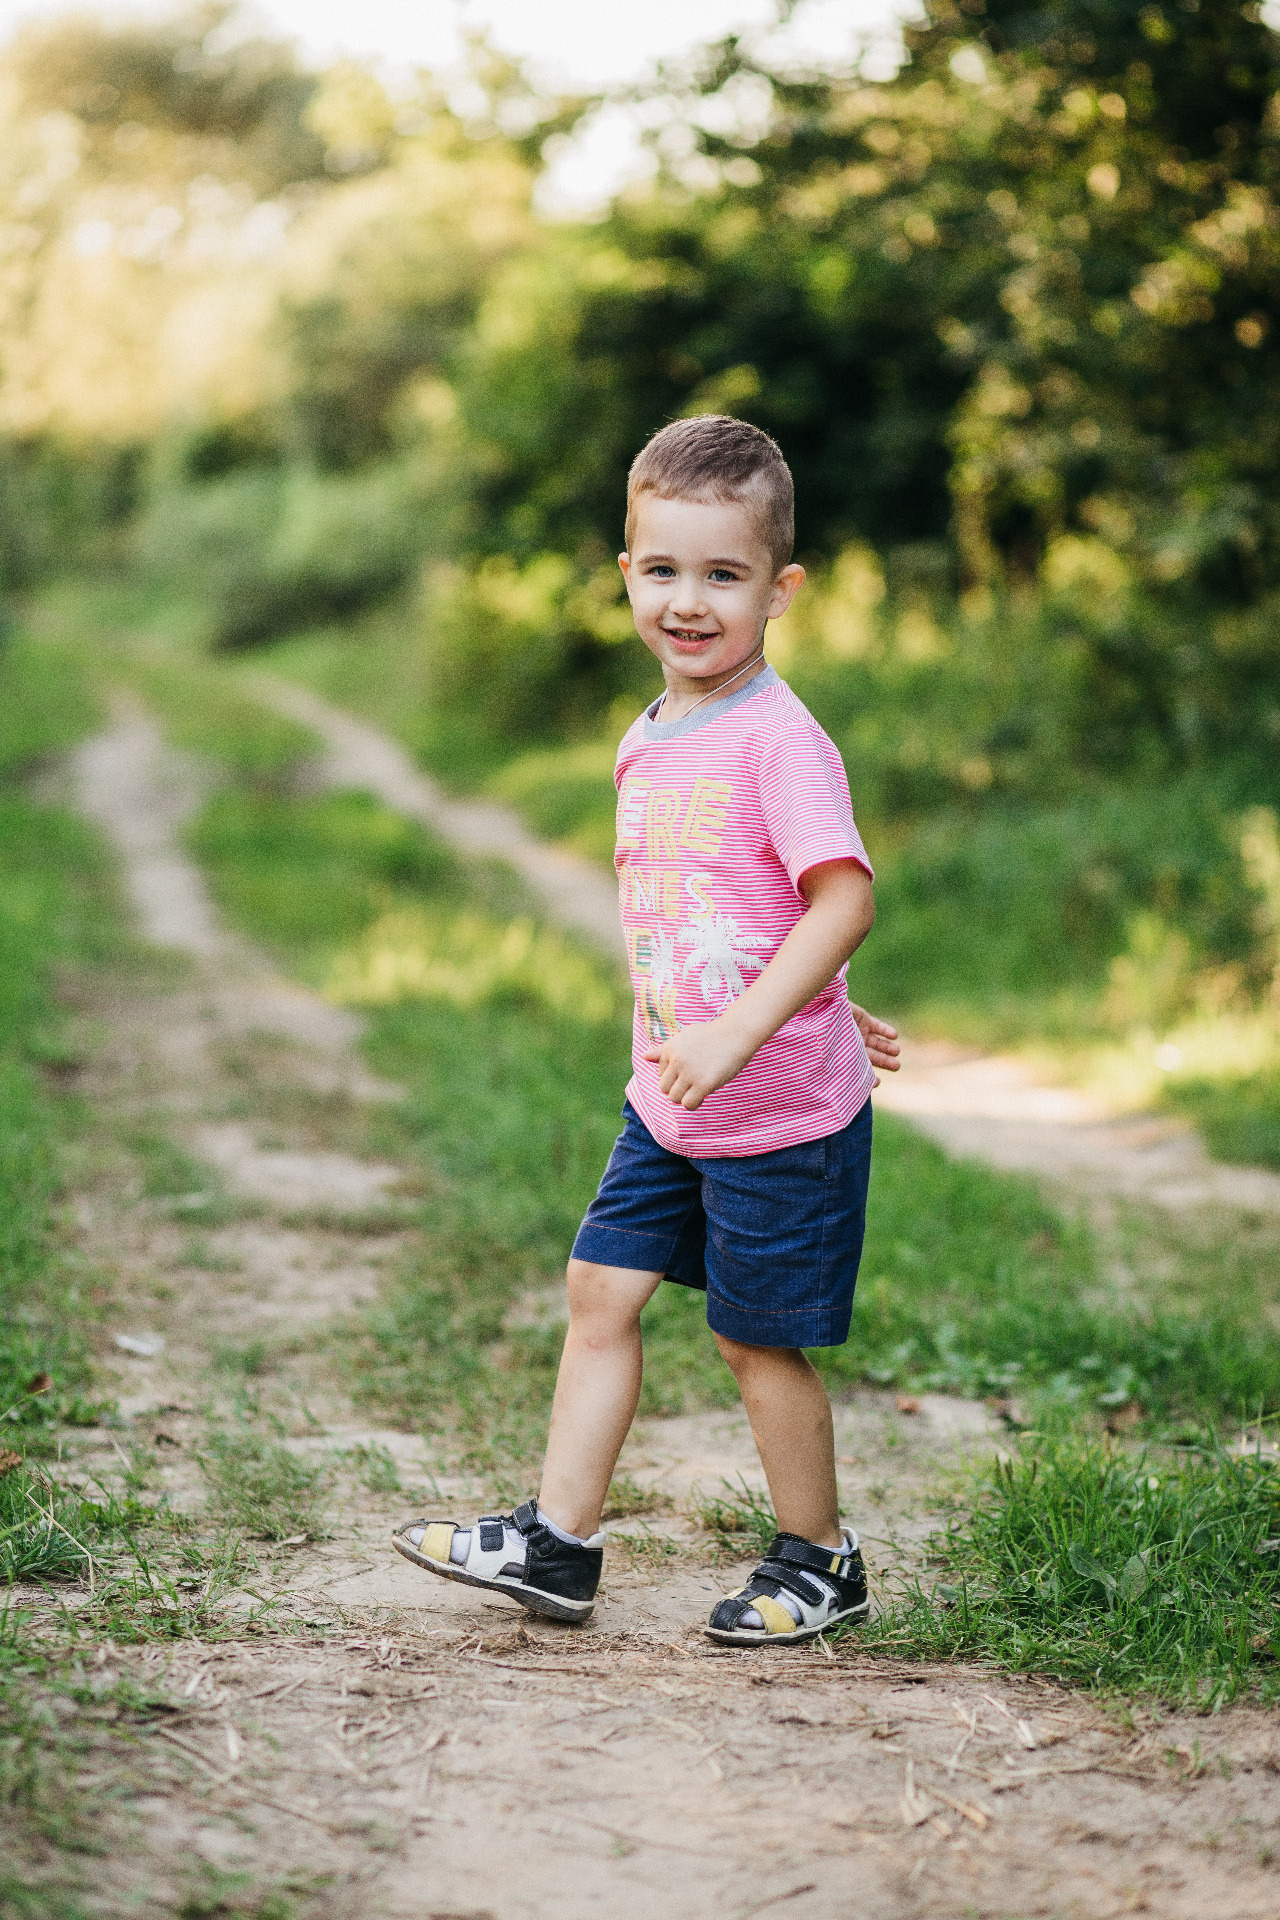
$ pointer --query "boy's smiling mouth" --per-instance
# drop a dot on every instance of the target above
(688, 636)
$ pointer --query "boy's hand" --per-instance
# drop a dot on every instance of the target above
(879, 1039)
(698, 1060)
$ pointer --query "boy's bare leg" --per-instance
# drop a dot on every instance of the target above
(790, 1417)
(597, 1389)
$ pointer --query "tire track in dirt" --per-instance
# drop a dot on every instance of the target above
(571, 891)
(993, 1108)
(417, 1750)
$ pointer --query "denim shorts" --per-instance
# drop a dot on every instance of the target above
(774, 1239)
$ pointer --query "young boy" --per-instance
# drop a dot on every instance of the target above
(742, 1165)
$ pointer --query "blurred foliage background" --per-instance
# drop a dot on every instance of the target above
(294, 362)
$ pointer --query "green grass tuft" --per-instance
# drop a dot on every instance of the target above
(42, 1530)
(627, 1499)
(375, 1468)
(740, 1520)
(1119, 1572)
(223, 1895)
(260, 1486)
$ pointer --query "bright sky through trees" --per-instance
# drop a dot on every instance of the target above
(585, 43)
(596, 42)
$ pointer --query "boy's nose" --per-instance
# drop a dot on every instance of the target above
(686, 601)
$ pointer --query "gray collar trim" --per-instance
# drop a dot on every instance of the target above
(674, 729)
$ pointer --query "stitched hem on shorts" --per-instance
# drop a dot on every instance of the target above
(642, 1252)
(804, 1327)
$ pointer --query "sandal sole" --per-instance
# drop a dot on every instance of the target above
(745, 1637)
(550, 1605)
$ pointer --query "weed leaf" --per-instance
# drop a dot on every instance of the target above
(1088, 1567)
(1134, 1578)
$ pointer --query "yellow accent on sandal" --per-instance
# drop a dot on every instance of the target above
(774, 1614)
(836, 1558)
(436, 1541)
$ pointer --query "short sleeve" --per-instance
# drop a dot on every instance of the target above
(804, 797)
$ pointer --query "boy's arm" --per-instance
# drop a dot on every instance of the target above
(696, 1061)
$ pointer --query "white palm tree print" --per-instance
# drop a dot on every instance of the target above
(662, 968)
(721, 950)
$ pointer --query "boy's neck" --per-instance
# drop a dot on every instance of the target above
(684, 692)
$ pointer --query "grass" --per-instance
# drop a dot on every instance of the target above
(1134, 1573)
(43, 1535)
(739, 1519)
(49, 700)
(209, 711)
(1239, 1119)
(148, 1578)
(238, 1896)
(159, 1592)
(971, 1283)
(259, 1486)
(150, 644)
(565, 794)
(375, 1468)
(145, 1587)
(627, 1499)
(55, 921)
(247, 1359)
(41, 1815)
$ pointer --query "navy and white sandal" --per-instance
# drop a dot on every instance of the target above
(513, 1553)
(797, 1592)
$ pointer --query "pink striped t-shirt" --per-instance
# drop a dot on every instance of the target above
(719, 815)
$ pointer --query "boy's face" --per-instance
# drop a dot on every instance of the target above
(702, 585)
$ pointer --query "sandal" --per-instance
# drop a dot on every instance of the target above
(797, 1592)
(513, 1553)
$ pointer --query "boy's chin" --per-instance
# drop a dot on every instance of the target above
(700, 664)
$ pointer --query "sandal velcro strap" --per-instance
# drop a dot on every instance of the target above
(792, 1551)
(525, 1516)
(773, 1576)
(728, 1613)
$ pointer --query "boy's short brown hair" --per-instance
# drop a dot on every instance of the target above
(713, 457)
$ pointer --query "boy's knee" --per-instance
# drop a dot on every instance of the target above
(600, 1293)
(736, 1356)
(741, 1359)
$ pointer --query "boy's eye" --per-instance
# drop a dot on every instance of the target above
(661, 573)
(721, 575)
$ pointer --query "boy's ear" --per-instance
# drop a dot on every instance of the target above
(624, 561)
(786, 586)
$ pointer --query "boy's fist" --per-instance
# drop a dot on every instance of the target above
(698, 1060)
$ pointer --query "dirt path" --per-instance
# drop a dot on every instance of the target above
(992, 1108)
(396, 1747)
(572, 891)
(988, 1107)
